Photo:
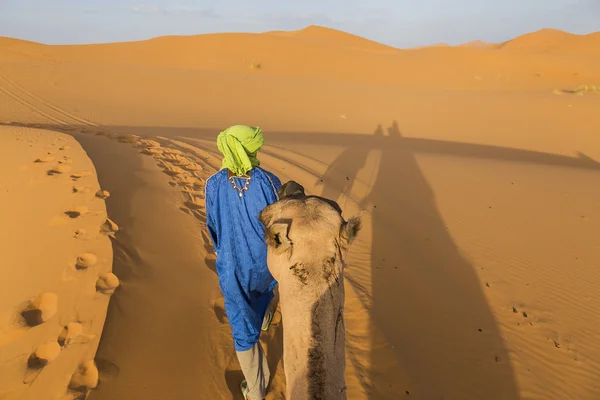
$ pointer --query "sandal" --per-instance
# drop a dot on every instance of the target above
(244, 389)
(267, 321)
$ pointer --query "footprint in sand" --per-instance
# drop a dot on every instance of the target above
(40, 309)
(147, 143)
(167, 150)
(85, 378)
(79, 233)
(85, 261)
(210, 260)
(161, 164)
(196, 194)
(176, 159)
(43, 355)
(45, 159)
(60, 169)
(199, 184)
(103, 194)
(173, 170)
(192, 167)
(127, 138)
(77, 212)
(195, 204)
(109, 227)
(64, 148)
(79, 175)
(152, 151)
(187, 180)
(205, 237)
(107, 284)
(69, 333)
(81, 189)
(219, 309)
(66, 161)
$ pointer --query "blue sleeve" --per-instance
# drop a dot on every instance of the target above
(209, 192)
(274, 181)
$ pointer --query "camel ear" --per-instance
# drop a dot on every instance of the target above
(276, 234)
(350, 230)
(290, 189)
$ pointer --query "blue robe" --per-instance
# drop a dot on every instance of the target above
(238, 239)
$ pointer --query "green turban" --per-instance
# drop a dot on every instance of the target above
(239, 145)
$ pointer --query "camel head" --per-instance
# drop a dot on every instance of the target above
(307, 240)
(306, 229)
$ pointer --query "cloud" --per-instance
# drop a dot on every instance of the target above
(175, 9)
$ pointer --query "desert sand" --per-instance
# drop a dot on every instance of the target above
(474, 168)
(56, 259)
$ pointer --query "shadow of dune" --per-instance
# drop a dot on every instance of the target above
(428, 309)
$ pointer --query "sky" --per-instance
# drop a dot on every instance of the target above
(399, 23)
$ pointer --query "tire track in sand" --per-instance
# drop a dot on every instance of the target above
(39, 105)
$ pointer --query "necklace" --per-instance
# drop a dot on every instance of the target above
(233, 185)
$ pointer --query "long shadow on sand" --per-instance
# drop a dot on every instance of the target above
(427, 300)
(427, 303)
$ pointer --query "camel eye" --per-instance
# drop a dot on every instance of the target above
(277, 240)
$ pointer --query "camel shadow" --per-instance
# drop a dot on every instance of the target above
(428, 307)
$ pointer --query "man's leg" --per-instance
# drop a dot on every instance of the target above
(256, 371)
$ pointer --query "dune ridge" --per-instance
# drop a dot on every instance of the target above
(554, 41)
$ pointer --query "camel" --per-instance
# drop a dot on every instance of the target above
(307, 240)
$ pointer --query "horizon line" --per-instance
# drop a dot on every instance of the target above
(324, 27)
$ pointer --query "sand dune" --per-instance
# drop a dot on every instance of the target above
(555, 41)
(475, 174)
(477, 44)
(53, 254)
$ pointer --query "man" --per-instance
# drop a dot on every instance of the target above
(234, 197)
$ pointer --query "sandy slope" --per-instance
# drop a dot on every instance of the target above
(53, 254)
(475, 274)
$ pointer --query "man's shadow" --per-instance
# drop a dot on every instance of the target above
(427, 302)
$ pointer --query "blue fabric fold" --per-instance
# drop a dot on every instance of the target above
(238, 239)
